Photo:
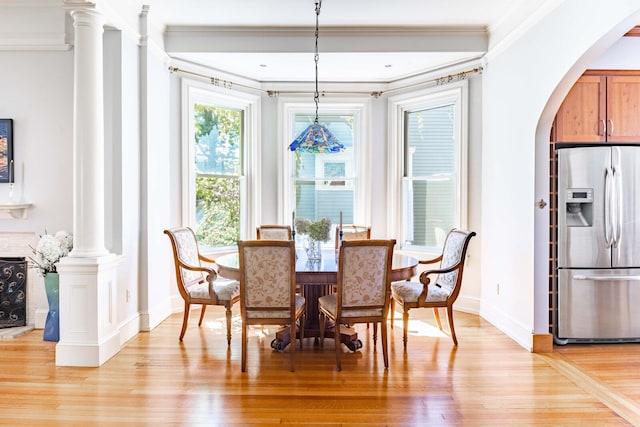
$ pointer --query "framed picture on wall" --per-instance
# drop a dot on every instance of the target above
(6, 150)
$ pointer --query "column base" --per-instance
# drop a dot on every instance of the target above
(87, 354)
(88, 331)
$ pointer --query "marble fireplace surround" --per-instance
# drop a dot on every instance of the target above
(19, 244)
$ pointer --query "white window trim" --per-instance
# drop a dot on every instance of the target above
(458, 93)
(360, 107)
(250, 196)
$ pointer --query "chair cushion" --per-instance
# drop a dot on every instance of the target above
(328, 302)
(260, 314)
(410, 291)
(225, 289)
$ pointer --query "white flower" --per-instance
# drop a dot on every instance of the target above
(50, 250)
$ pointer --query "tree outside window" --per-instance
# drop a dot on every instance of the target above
(218, 148)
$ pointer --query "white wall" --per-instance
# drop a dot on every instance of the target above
(524, 84)
(37, 93)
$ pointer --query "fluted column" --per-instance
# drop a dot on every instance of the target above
(88, 134)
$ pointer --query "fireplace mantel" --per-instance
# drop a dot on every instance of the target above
(14, 210)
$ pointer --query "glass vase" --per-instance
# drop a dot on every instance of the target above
(314, 249)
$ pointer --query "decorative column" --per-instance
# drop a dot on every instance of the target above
(88, 330)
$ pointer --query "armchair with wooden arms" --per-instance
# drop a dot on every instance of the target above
(436, 288)
(197, 283)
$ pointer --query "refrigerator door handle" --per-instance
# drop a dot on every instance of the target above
(617, 223)
(607, 278)
(608, 232)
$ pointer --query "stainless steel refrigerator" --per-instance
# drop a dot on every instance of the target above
(597, 295)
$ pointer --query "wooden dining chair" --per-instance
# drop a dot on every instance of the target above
(268, 289)
(199, 284)
(273, 232)
(363, 290)
(352, 232)
(444, 289)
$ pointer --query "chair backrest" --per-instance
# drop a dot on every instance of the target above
(353, 232)
(185, 252)
(274, 232)
(453, 254)
(364, 276)
(267, 278)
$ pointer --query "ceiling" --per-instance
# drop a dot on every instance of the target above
(360, 40)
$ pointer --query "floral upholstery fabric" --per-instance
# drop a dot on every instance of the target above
(267, 277)
(451, 254)
(187, 247)
(364, 283)
(363, 279)
(260, 314)
(356, 235)
(274, 234)
(410, 291)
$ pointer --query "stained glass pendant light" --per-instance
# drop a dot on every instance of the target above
(316, 138)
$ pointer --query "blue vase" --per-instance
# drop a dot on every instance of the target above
(52, 324)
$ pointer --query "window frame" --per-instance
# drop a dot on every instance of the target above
(360, 107)
(456, 93)
(250, 152)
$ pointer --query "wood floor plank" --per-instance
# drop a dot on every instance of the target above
(487, 380)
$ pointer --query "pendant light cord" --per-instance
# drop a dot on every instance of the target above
(316, 57)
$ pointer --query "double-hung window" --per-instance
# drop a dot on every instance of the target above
(324, 185)
(430, 165)
(218, 129)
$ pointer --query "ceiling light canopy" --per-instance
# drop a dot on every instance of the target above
(316, 138)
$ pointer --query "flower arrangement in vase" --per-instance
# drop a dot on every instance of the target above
(50, 250)
(316, 232)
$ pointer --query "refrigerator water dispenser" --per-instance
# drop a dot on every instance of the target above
(579, 207)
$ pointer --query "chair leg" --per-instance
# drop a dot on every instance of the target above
(385, 352)
(302, 321)
(244, 347)
(228, 316)
(436, 314)
(185, 319)
(405, 326)
(375, 332)
(392, 306)
(453, 331)
(292, 349)
(338, 341)
(322, 319)
(204, 308)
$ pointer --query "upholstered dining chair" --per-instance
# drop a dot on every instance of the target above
(199, 284)
(268, 289)
(274, 232)
(363, 290)
(352, 232)
(442, 290)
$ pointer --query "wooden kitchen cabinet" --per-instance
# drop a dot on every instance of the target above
(601, 107)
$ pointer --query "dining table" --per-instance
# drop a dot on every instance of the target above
(314, 279)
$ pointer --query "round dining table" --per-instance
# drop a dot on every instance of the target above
(316, 278)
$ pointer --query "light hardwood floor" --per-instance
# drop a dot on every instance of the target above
(487, 380)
